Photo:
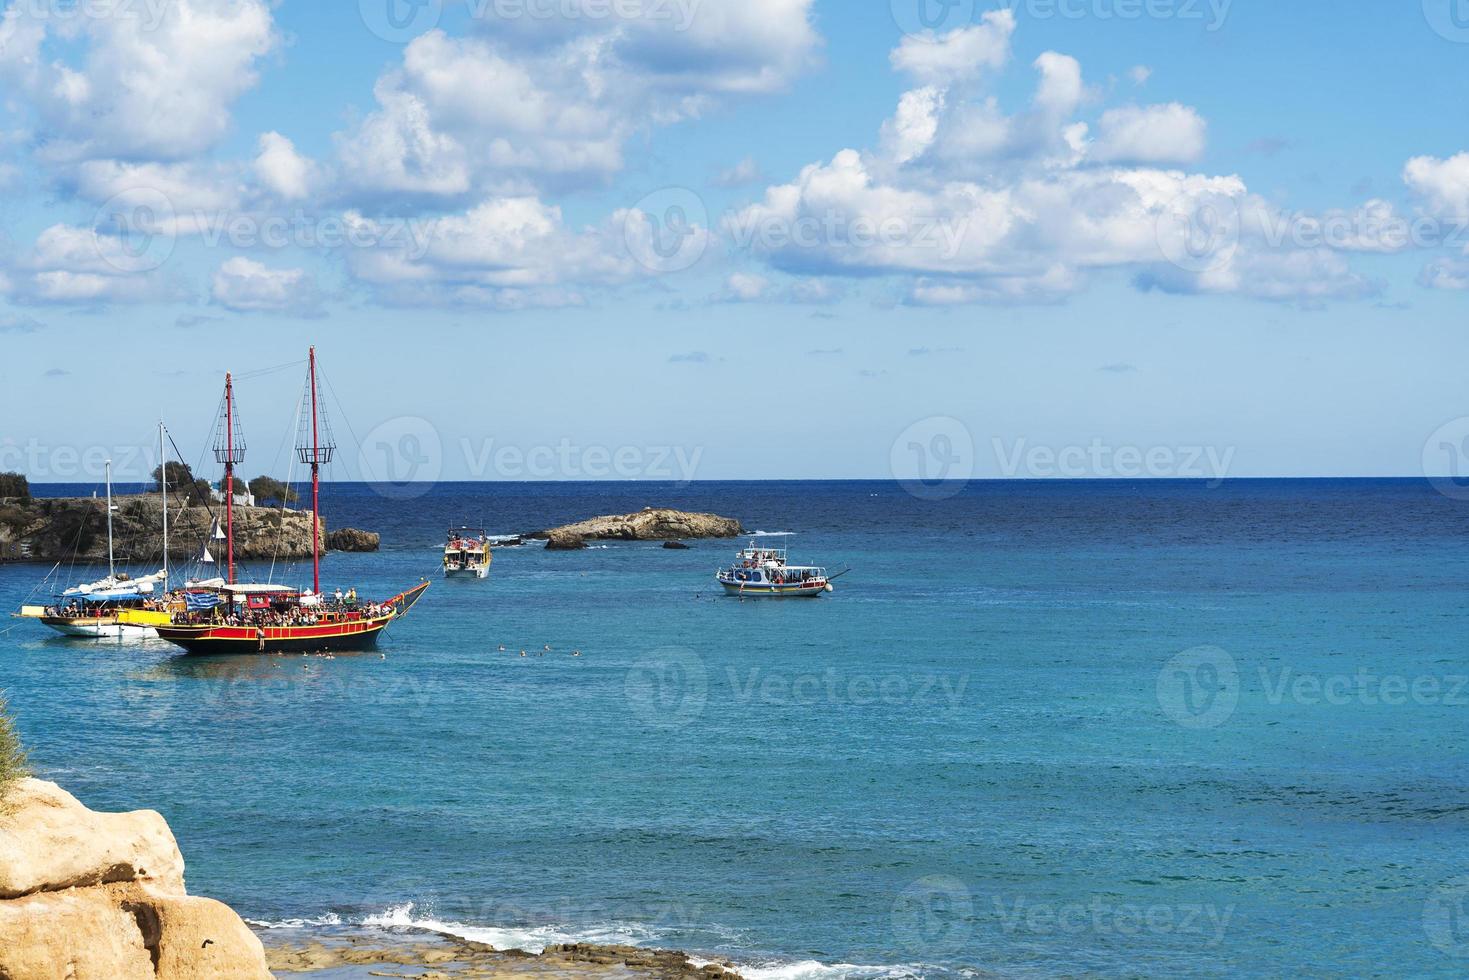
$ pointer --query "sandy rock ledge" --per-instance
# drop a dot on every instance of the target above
(100, 896)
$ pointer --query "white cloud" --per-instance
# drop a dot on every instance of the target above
(1156, 134)
(742, 174)
(1443, 185)
(510, 111)
(742, 287)
(143, 90)
(281, 169)
(1140, 74)
(247, 286)
(960, 55)
(70, 264)
(504, 253)
(974, 205)
(1445, 273)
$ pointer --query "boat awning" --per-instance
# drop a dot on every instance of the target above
(261, 589)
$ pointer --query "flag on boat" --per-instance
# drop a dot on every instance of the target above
(205, 556)
(218, 532)
(201, 601)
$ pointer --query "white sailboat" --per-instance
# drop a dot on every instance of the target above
(118, 606)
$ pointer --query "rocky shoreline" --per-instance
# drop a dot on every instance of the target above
(64, 528)
(448, 957)
(648, 524)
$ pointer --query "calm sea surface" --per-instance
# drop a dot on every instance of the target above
(1059, 729)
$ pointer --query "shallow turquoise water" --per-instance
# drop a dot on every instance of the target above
(984, 752)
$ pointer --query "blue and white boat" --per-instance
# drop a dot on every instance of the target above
(762, 570)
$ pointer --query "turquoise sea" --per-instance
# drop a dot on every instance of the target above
(1041, 729)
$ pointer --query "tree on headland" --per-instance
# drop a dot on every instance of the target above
(181, 480)
(266, 488)
(12, 752)
(14, 485)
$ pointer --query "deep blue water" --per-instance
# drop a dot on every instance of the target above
(1041, 729)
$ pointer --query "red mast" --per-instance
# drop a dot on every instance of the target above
(315, 455)
(229, 449)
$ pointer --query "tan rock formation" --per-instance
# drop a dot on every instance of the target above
(650, 524)
(100, 896)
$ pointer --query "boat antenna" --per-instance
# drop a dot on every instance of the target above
(163, 490)
(229, 449)
(111, 567)
(315, 454)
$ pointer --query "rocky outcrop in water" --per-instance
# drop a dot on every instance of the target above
(562, 540)
(86, 894)
(649, 524)
(63, 528)
(351, 539)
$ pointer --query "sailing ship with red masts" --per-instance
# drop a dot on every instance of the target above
(223, 616)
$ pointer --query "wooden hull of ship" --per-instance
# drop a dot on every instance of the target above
(350, 635)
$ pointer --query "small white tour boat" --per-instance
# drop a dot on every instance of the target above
(761, 569)
(467, 553)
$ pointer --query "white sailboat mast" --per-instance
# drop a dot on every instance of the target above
(163, 489)
(111, 568)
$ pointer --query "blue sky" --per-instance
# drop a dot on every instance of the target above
(725, 239)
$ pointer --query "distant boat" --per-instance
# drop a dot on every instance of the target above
(224, 616)
(120, 606)
(763, 571)
(467, 553)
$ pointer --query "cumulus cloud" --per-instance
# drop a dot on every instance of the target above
(143, 90)
(1445, 273)
(744, 288)
(1442, 185)
(281, 169)
(971, 204)
(509, 112)
(83, 266)
(247, 286)
(1156, 134)
(960, 55)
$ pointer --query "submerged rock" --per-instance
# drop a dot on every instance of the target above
(564, 541)
(649, 524)
(86, 894)
(351, 539)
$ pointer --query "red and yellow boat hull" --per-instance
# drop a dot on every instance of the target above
(339, 634)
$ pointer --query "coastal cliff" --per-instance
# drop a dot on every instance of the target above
(86, 894)
(66, 528)
(649, 524)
